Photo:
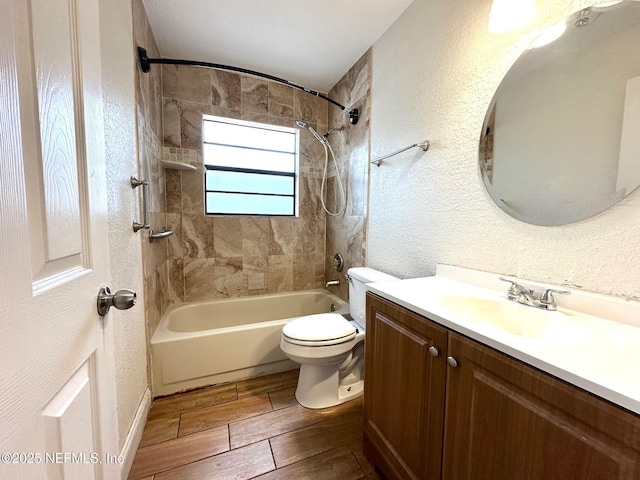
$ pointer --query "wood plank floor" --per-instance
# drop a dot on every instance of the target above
(251, 429)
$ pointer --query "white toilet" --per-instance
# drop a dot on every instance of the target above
(330, 348)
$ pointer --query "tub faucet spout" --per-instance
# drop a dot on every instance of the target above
(332, 283)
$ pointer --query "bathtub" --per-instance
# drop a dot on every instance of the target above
(217, 341)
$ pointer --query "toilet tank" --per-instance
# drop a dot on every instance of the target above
(358, 277)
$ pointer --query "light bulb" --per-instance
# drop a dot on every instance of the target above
(607, 4)
(549, 35)
(508, 15)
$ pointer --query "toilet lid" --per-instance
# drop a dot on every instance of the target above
(319, 328)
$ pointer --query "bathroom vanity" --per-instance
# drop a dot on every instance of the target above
(450, 396)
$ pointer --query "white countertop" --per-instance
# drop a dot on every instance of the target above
(597, 350)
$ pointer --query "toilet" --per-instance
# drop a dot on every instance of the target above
(330, 348)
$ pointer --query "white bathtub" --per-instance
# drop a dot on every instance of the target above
(205, 343)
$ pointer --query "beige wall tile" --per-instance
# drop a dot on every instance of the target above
(255, 236)
(199, 279)
(171, 122)
(175, 247)
(280, 100)
(257, 281)
(280, 275)
(225, 89)
(255, 117)
(192, 192)
(305, 106)
(304, 267)
(198, 236)
(255, 264)
(282, 235)
(170, 81)
(225, 112)
(191, 123)
(176, 280)
(228, 236)
(173, 191)
(194, 85)
(255, 270)
(255, 95)
(229, 278)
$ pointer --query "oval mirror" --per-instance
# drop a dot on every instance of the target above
(561, 139)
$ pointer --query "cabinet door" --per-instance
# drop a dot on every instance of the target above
(506, 420)
(404, 392)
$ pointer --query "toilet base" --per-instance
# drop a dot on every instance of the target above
(319, 387)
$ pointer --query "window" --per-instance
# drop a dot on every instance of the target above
(251, 168)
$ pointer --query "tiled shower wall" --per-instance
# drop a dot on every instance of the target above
(225, 256)
(346, 233)
(149, 107)
(215, 257)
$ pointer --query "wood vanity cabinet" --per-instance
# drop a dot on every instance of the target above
(490, 417)
(404, 391)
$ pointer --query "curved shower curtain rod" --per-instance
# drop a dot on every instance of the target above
(145, 65)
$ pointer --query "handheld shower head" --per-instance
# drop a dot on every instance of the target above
(303, 124)
(327, 149)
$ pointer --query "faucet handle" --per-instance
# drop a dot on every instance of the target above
(547, 297)
(514, 290)
(513, 284)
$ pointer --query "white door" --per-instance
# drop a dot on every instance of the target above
(57, 386)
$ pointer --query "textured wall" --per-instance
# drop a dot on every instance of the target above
(228, 256)
(125, 252)
(346, 233)
(434, 74)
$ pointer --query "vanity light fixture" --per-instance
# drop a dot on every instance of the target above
(606, 5)
(507, 15)
(549, 34)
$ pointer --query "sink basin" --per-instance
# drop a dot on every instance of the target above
(510, 317)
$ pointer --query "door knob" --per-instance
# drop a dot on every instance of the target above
(122, 300)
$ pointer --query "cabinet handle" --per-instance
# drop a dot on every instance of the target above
(434, 351)
(452, 361)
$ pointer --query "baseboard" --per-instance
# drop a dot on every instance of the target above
(134, 436)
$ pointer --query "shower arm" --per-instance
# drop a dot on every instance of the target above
(145, 65)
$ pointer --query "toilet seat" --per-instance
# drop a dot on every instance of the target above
(319, 330)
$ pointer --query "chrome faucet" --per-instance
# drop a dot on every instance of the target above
(332, 283)
(525, 296)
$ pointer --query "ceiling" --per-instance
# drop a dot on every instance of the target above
(308, 42)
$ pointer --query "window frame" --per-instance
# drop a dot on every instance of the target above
(213, 168)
